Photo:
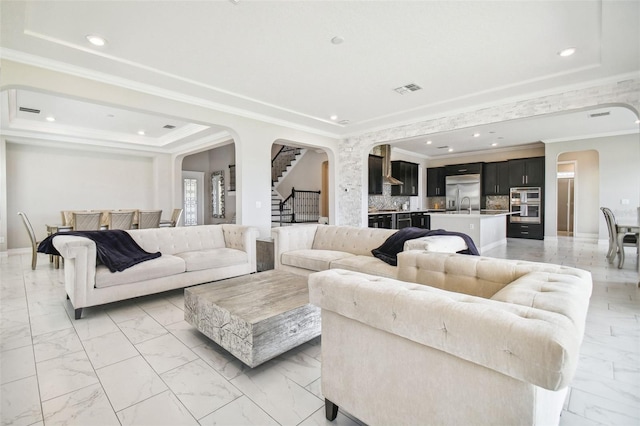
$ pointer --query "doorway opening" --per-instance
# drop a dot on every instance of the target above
(566, 173)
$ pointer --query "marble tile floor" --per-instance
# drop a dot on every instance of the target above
(139, 363)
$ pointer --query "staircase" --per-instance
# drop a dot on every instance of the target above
(276, 215)
(284, 161)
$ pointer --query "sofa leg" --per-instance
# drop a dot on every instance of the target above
(330, 410)
(78, 313)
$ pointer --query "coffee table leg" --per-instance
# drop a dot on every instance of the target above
(330, 410)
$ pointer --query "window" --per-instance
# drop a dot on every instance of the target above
(190, 202)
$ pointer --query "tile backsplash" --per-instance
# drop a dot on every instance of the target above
(386, 201)
(493, 202)
(497, 202)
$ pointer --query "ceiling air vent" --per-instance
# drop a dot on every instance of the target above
(407, 88)
(443, 147)
(31, 110)
(169, 126)
(599, 114)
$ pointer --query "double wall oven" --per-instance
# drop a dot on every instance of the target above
(528, 203)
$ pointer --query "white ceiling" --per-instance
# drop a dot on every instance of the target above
(276, 61)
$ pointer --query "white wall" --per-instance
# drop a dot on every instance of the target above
(42, 181)
(619, 178)
(305, 175)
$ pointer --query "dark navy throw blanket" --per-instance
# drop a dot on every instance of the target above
(388, 251)
(115, 248)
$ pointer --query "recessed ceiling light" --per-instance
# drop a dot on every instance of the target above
(475, 135)
(96, 40)
(50, 119)
(494, 144)
(567, 52)
(337, 40)
(334, 117)
(637, 121)
(429, 142)
(450, 149)
(141, 132)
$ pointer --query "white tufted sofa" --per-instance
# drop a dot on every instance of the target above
(303, 249)
(190, 255)
(455, 340)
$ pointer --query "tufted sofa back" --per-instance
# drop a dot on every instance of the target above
(350, 239)
(177, 240)
(473, 275)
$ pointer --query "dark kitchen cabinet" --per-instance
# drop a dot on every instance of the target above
(375, 175)
(463, 169)
(533, 231)
(436, 182)
(421, 220)
(495, 178)
(526, 172)
(381, 221)
(408, 174)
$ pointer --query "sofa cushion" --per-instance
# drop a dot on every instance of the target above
(439, 243)
(367, 265)
(198, 260)
(180, 239)
(315, 260)
(350, 239)
(550, 292)
(162, 266)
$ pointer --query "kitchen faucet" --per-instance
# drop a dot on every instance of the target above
(462, 201)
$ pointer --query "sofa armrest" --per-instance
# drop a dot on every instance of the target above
(288, 238)
(243, 238)
(532, 345)
(79, 255)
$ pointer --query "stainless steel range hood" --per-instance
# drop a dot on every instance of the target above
(387, 179)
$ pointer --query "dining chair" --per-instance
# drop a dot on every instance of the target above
(120, 220)
(629, 240)
(86, 221)
(149, 219)
(32, 237)
(175, 217)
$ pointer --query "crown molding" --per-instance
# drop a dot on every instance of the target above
(592, 136)
(65, 142)
(57, 66)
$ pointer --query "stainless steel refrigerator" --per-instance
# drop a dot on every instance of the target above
(463, 192)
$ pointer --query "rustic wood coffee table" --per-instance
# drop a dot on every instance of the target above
(255, 317)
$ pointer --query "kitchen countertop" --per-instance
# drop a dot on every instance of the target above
(475, 213)
(482, 212)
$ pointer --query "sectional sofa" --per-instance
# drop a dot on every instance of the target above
(304, 249)
(455, 339)
(190, 255)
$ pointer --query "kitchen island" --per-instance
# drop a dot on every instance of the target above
(487, 228)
